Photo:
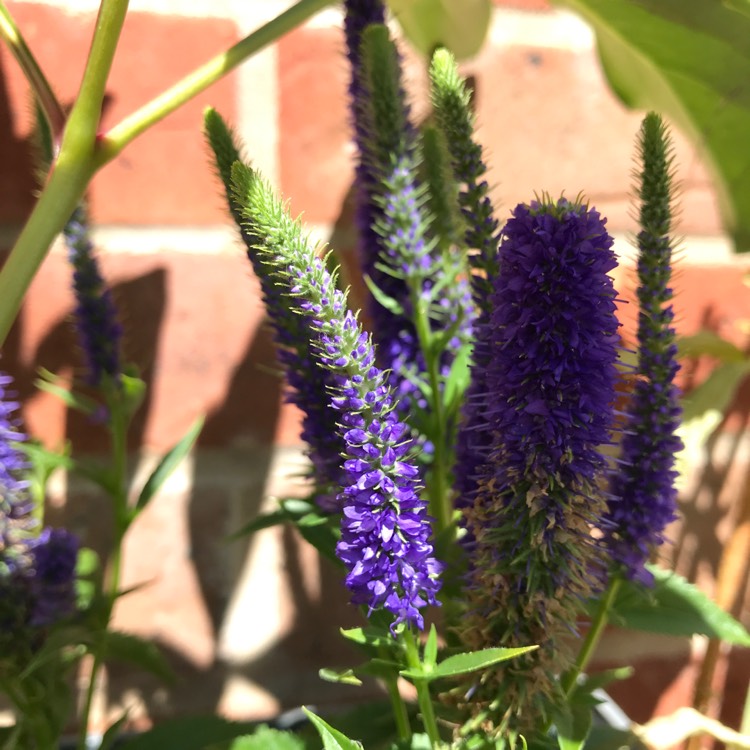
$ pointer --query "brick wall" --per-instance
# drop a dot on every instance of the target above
(248, 624)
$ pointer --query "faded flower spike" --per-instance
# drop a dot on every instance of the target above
(385, 529)
(309, 383)
(549, 400)
(644, 497)
(96, 317)
(52, 576)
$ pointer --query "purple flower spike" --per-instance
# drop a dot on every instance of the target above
(96, 317)
(53, 563)
(644, 497)
(550, 389)
(385, 529)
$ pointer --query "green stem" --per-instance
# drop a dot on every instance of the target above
(591, 641)
(122, 518)
(199, 80)
(423, 690)
(52, 109)
(72, 172)
(440, 507)
(399, 709)
(53, 209)
(83, 125)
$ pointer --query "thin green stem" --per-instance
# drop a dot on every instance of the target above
(122, 518)
(52, 109)
(199, 80)
(591, 641)
(72, 172)
(53, 209)
(83, 125)
(399, 709)
(438, 488)
(423, 690)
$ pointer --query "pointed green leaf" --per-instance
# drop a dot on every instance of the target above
(602, 679)
(347, 677)
(573, 727)
(265, 738)
(708, 343)
(112, 734)
(129, 648)
(469, 662)
(716, 391)
(674, 607)
(189, 733)
(688, 59)
(332, 738)
(430, 647)
(390, 304)
(51, 383)
(168, 464)
(375, 639)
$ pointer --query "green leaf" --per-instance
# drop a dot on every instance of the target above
(265, 738)
(674, 607)
(51, 383)
(371, 637)
(112, 734)
(189, 733)
(708, 343)
(469, 662)
(606, 738)
(573, 727)
(459, 25)
(602, 679)
(689, 60)
(347, 677)
(430, 648)
(332, 738)
(168, 464)
(384, 300)
(118, 646)
(132, 391)
(716, 391)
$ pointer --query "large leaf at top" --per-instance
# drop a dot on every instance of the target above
(459, 25)
(689, 60)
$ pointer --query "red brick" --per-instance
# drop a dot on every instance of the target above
(194, 328)
(315, 151)
(164, 177)
(549, 122)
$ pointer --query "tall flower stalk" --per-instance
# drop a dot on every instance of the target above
(310, 384)
(99, 330)
(384, 530)
(452, 104)
(644, 497)
(550, 391)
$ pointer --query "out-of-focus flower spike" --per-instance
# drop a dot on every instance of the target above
(385, 530)
(452, 103)
(309, 383)
(644, 497)
(550, 393)
(442, 188)
(99, 330)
